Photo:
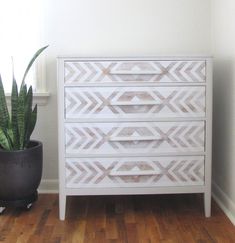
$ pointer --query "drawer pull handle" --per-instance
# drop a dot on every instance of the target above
(132, 139)
(135, 72)
(132, 104)
(133, 173)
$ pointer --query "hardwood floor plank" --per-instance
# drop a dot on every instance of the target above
(111, 232)
(78, 235)
(132, 233)
(117, 219)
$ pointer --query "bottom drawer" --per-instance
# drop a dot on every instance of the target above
(135, 172)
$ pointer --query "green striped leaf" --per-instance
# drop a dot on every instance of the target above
(28, 111)
(32, 61)
(4, 142)
(31, 125)
(14, 112)
(9, 136)
(21, 114)
(4, 114)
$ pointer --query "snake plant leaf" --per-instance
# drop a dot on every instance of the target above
(32, 61)
(4, 142)
(29, 99)
(21, 114)
(28, 111)
(33, 120)
(31, 125)
(4, 114)
(15, 130)
(14, 111)
(9, 136)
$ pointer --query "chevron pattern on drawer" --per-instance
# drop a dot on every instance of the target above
(134, 71)
(129, 102)
(150, 171)
(132, 138)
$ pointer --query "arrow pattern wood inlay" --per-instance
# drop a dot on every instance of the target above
(134, 102)
(134, 71)
(132, 138)
(148, 171)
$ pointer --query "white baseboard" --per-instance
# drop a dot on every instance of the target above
(223, 200)
(49, 186)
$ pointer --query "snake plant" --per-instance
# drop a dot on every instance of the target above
(17, 125)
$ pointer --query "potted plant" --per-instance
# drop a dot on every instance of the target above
(20, 157)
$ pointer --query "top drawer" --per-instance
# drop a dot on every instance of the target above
(82, 72)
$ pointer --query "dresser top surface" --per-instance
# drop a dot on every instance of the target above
(135, 58)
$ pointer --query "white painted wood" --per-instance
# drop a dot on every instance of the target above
(49, 186)
(224, 201)
(132, 84)
(133, 138)
(134, 103)
(81, 134)
(61, 139)
(208, 158)
(141, 119)
(62, 204)
(155, 154)
(137, 58)
(135, 72)
(134, 173)
(39, 98)
(207, 203)
(135, 190)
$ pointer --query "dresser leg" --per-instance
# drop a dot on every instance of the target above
(207, 204)
(62, 205)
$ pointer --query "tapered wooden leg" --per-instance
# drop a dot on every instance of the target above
(62, 205)
(207, 204)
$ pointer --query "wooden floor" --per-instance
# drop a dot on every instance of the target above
(132, 219)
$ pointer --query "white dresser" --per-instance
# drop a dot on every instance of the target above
(134, 126)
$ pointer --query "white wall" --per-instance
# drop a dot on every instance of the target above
(127, 27)
(223, 37)
(115, 28)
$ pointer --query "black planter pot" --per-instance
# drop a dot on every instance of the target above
(20, 175)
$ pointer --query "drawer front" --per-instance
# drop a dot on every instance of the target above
(134, 102)
(134, 71)
(134, 138)
(131, 172)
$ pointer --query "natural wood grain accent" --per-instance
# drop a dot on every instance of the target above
(132, 219)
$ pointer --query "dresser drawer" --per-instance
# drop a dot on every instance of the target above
(134, 71)
(134, 138)
(134, 172)
(134, 102)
